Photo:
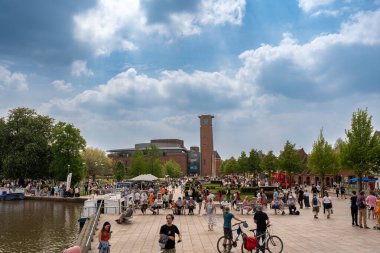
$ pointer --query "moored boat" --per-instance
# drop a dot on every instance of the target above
(11, 193)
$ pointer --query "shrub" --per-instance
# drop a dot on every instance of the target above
(248, 190)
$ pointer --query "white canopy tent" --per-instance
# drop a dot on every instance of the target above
(145, 177)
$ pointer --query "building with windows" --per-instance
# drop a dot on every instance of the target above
(205, 161)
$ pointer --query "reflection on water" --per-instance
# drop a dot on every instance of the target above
(38, 226)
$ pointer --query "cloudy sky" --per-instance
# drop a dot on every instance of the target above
(128, 71)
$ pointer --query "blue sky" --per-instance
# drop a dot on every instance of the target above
(128, 71)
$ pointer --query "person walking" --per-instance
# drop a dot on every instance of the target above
(354, 209)
(104, 237)
(371, 203)
(220, 196)
(316, 205)
(210, 209)
(262, 221)
(199, 201)
(327, 204)
(306, 198)
(167, 234)
(300, 197)
(360, 202)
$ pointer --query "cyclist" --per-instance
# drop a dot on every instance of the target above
(262, 221)
(227, 227)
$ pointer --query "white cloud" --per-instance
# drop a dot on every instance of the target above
(331, 13)
(15, 80)
(273, 97)
(79, 68)
(218, 12)
(61, 85)
(117, 25)
(309, 5)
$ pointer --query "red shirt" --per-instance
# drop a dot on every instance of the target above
(105, 236)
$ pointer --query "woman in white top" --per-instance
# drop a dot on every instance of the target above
(327, 204)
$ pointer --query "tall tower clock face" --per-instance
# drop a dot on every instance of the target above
(205, 121)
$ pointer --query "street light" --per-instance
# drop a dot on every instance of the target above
(68, 168)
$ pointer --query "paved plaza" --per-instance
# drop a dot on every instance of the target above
(300, 233)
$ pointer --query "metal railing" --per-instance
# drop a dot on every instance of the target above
(88, 231)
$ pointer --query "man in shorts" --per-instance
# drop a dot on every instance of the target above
(316, 205)
(227, 227)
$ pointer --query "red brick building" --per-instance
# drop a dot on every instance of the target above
(205, 162)
(307, 177)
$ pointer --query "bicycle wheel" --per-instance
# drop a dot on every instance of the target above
(223, 248)
(274, 244)
(243, 250)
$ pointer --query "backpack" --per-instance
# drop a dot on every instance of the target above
(315, 201)
(250, 243)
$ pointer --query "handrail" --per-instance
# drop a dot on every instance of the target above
(94, 224)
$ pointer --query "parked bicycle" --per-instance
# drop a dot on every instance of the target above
(273, 242)
(224, 245)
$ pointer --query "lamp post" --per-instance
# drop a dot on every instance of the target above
(68, 169)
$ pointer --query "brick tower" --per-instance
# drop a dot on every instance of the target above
(207, 146)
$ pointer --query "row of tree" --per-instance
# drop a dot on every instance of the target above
(359, 152)
(33, 146)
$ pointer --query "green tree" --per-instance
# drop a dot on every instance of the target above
(97, 162)
(361, 152)
(26, 138)
(119, 171)
(172, 168)
(289, 160)
(254, 162)
(243, 163)
(229, 166)
(154, 164)
(138, 166)
(67, 146)
(2, 146)
(269, 163)
(323, 160)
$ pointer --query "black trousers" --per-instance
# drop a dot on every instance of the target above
(260, 236)
(354, 215)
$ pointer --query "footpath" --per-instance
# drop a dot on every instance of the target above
(302, 233)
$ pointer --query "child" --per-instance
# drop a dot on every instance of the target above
(104, 236)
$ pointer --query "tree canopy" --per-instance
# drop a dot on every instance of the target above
(289, 160)
(323, 160)
(361, 150)
(97, 162)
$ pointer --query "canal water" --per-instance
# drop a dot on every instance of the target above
(38, 226)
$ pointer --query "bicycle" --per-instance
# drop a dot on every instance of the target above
(226, 247)
(273, 242)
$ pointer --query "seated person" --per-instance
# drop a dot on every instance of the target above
(125, 215)
(191, 206)
(179, 207)
(246, 205)
(278, 204)
(154, 207)
(292, 205)
(144, 206)
(172, 206)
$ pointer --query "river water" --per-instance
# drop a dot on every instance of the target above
(38, 226)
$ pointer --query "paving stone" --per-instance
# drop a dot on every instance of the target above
(300, 233)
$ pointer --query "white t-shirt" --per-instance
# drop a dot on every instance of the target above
(326, 200)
